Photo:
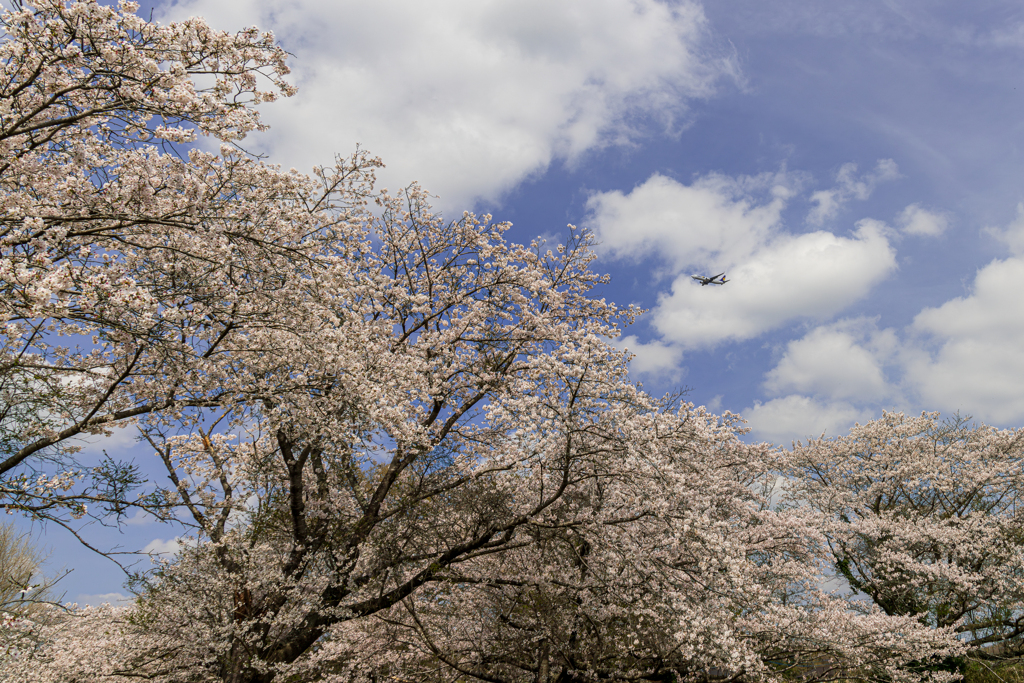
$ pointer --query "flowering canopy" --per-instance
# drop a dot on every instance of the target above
(925, 517)
(104, 226)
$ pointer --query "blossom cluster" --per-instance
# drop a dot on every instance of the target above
(924, 517)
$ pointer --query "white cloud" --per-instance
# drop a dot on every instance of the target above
(844, 360)
(849, 186)
(119, 445)
(652, 358)
(158, 546)
(715, 220)
(796, 417)
(140, 518)
(963, 356)
(979, 358)
(813, 275)
(917, 221)
(97, 599)
(1013, 234)
(471, 98)
(734, 225)
(831, 378)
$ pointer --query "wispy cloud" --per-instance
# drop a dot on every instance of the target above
(849, 186)
(1011, 36)
(1013, 234)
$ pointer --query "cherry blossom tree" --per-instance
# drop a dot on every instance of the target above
(63, 644)
(447, 390)
(661, 560)
(925, 518)
(681, 572)
(100, 209)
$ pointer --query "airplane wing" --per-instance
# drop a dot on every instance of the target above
(715, 277)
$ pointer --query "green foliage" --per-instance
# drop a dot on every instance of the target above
(979, 671)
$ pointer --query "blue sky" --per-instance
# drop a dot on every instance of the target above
(856, 168)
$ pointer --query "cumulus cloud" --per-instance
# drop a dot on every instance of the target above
(472, 98)
(832, 377)
(651, 358)
(849, 186)
(976, 360)
(796, 417)
(963, 356)
(158, 546)
(734, 225)
(843, 360)
(914, 220)
(717, 219)
(813, 275)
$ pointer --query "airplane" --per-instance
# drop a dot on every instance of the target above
(713, 280)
